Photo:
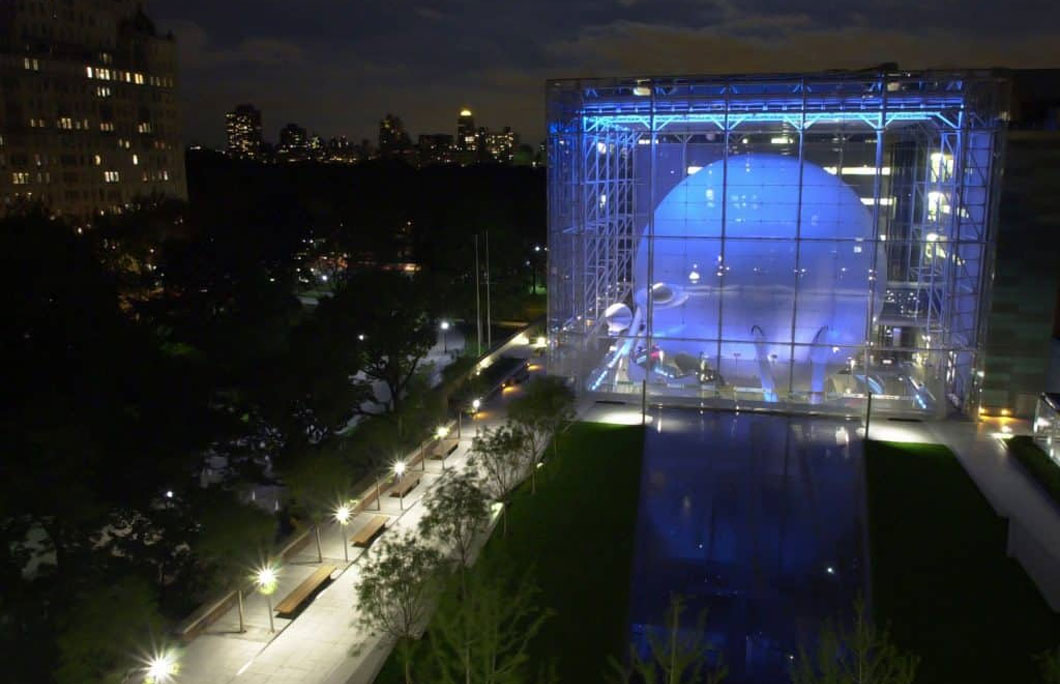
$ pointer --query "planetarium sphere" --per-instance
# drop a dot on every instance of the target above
(780, 269)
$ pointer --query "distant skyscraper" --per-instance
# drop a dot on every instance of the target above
(466, 139)
(393, 139)
(435, 148)
(341, 151)
(316, 147)
(90, 119)
(293, 145)
(243, 126)
(499, 146)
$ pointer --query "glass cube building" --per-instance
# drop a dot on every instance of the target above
(788, 242)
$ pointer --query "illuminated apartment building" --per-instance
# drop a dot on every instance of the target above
(243, 127)
(89, 120)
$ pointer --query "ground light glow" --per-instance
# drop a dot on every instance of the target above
(623, 417)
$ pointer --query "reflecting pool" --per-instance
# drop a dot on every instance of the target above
(757, 519)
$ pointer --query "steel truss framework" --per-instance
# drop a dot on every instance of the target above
(933, 212)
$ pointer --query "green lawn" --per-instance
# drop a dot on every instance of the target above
(577, 532)
(1040, 466)
(940, 576)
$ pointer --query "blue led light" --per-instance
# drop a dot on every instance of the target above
(732, 120)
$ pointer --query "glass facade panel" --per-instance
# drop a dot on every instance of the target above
(784, 242)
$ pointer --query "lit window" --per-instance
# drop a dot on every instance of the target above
(89, 71)
(20, 177)
(138, 79)
(136, 160)
(165, 175)
(31, 64)
(144, 127)
(66, 122)
(106, 125)
(97, 160)
(111, 176)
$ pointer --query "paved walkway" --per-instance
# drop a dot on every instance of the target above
(321, 645)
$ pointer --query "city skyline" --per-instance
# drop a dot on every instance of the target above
(278, 128)
(337, 70)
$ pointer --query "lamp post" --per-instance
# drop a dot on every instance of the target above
(441, 433)
(444, 325)
(161, 668)
(266, 580)
(342, 517)
(399, 470)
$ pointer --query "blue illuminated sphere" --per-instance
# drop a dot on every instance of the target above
(748, 278)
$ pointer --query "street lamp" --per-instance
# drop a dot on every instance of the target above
(441, 432)
(475, 404)
(161, 668)
(444, 325)
(399, 470)
(266, 581)
(342, 517)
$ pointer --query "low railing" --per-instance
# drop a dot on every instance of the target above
(369, 487)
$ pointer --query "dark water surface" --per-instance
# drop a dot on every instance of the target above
(759, 519)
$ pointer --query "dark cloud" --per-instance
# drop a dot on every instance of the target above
(336, 67)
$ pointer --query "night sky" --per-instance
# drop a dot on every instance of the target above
(336, 66)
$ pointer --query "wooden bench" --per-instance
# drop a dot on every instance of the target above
(443, 448)
(367, 534)
(304, 591)
(406, 485)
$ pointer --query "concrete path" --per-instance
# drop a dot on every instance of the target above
(322, 644)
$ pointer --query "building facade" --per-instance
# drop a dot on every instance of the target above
(466, 137)
(435, 148)
(243, 129)
(1025, 303)
(394, 141)
(499, 146)
(293, 145)
(89, 121)
(786, 242)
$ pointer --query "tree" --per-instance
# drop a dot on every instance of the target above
(677, 658)
(457, 513)
(397, 585)
(106, 622)
(483, 635)
(546, 405)
(1049, 665)
(318, 481)
(863, 655)
(396, 330)
(231, 537)
(498, 454)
